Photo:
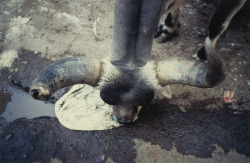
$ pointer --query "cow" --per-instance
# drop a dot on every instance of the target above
(129, 77)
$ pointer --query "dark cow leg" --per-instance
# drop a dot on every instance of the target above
(167, 29)
(220, 21)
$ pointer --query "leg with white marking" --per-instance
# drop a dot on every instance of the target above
(220, 21)
(167, 29)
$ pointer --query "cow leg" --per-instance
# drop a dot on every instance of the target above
(167, 29)
(220, 21)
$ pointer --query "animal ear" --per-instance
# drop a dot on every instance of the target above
(66, 72)
(163, 93)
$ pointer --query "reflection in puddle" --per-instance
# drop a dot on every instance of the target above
(4, 99)
(22, 105)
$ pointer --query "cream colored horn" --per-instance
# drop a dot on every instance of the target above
(193, 72)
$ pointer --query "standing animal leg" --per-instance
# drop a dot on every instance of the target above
(220, 21)
(167, 29)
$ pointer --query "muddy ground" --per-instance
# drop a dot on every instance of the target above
(196, 125)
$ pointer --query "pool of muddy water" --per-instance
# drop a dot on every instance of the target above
(22, 105)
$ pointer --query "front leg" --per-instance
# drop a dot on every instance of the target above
(167, 29)
(220, 21)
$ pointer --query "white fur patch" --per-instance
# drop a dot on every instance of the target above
(110, 73)
(146, 73)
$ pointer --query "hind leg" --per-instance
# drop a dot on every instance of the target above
(167, 29)
(220, 21)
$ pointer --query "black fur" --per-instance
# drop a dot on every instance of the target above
(201, 54)
(169, 21)
(222, 12)
(127, 88)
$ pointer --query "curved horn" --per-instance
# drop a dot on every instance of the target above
(191, 71)
(63, 73)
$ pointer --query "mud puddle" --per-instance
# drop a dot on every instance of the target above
(22, 105)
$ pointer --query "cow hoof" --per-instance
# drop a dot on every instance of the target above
(165, 37)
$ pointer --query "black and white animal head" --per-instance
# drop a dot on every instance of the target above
(128, 88)
(129, 77)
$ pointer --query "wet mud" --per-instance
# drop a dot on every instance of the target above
(195, 133)
(195, 123)
(25, 68)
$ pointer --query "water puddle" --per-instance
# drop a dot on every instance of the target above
(22, 105)
(4, 99)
